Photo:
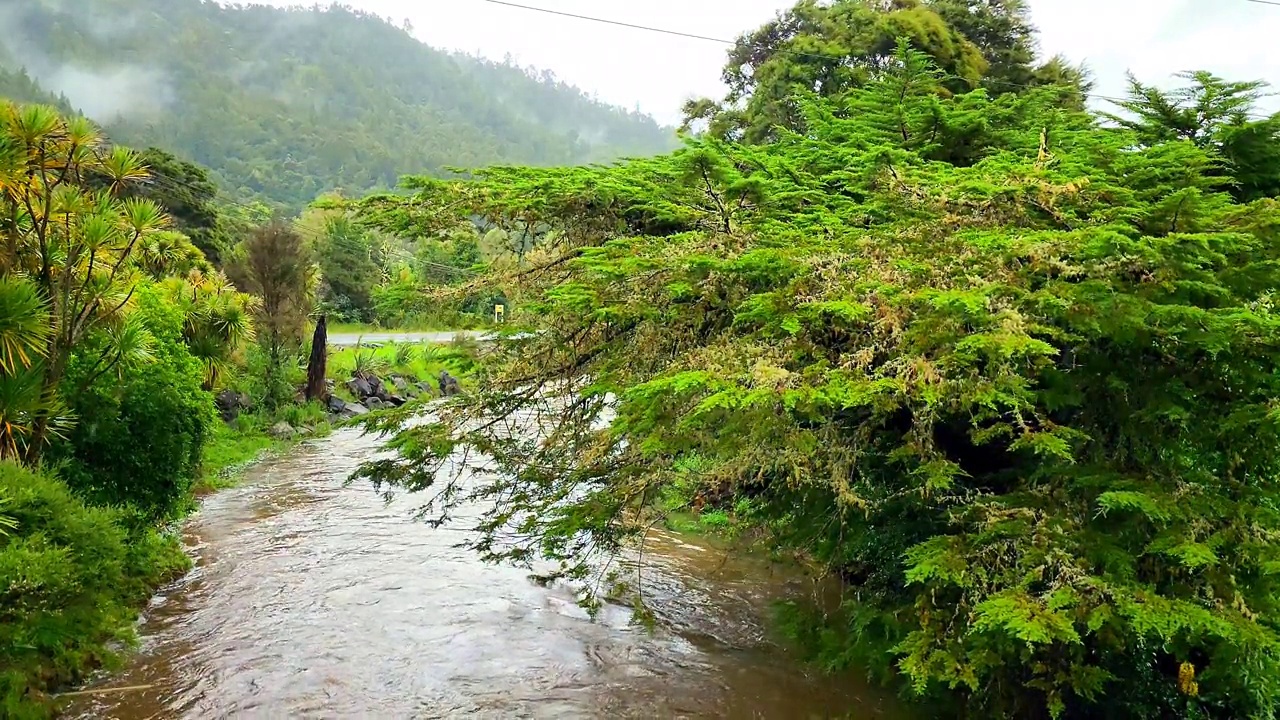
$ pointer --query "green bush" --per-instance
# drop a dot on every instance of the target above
(71, 578)
(139, 435)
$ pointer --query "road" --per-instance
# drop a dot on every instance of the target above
(382, 338)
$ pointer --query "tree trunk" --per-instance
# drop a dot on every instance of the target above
(316, 388)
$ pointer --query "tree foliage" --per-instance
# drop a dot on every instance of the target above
(1214, 114)
(276, 264)
(140, 432)
(828, 48)
(1022, 397)
(80, 247)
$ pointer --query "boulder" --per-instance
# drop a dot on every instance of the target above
(374, 403)
(282, 431)
(337, 404)
(394, 400)
(376, 386)
(231, 403)
(448, 384)
(351, 410)
(359, 387)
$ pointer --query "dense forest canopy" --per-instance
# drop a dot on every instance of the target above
(284, 104)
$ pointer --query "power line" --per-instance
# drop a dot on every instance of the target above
(783, 51)
(618, 23)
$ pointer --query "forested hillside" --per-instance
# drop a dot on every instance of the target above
(286, 104)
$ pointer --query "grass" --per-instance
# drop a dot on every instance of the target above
(229, 452)
(235, 447)
(418, 360)
(426, 325)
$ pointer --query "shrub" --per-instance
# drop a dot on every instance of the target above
(71, 577)
(140, 434)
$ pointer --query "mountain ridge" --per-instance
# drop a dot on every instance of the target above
(283, 104)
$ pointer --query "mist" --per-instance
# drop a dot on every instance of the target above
(104, 93)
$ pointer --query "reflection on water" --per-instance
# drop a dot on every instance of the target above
(312, 599)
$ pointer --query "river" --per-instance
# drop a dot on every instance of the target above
(311, 598)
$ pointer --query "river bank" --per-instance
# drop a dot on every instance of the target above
(75, 574)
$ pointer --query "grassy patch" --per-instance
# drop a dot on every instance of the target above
(229, 452)
(235, 447)
(422, 361)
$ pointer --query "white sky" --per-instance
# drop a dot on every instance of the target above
(1153, 38)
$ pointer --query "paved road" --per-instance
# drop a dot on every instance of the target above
(349, 339)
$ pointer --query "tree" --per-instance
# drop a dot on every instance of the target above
(217, 319)
(828, 49)
(316, 387)
(275, 264)
(1214, 114)
(189, 197)
(1023, 403)
(77, 245)
(348, 265)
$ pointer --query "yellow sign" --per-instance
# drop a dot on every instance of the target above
(499, 312)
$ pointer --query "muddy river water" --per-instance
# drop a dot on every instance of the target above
(315, 599)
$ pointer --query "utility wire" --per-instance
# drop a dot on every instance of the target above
(784, 51)
(618, 23)
(173, 183)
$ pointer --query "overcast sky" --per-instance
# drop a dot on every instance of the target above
(1153, 38)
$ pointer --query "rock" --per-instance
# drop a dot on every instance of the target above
(394, 400)
(376, 386)
(282, 431)
(329, 384)
(359, 387)
(448, 384)
(400, 382)
(337, 404)
(351, 410)
(231, 403)
(425, 388)
(374, 403)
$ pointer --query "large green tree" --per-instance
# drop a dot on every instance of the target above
(828, 48)
(1215, 114)
(1024, 404)
(79, 247)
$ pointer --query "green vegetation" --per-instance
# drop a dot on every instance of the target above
(285, 104)
(72, 577)
(1007, 367)
(232, 448)
(115, 334)
(901, 306)
(419, 360)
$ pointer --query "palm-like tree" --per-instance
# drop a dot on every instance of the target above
(24, 336)
(219, 319)
(71, 256)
